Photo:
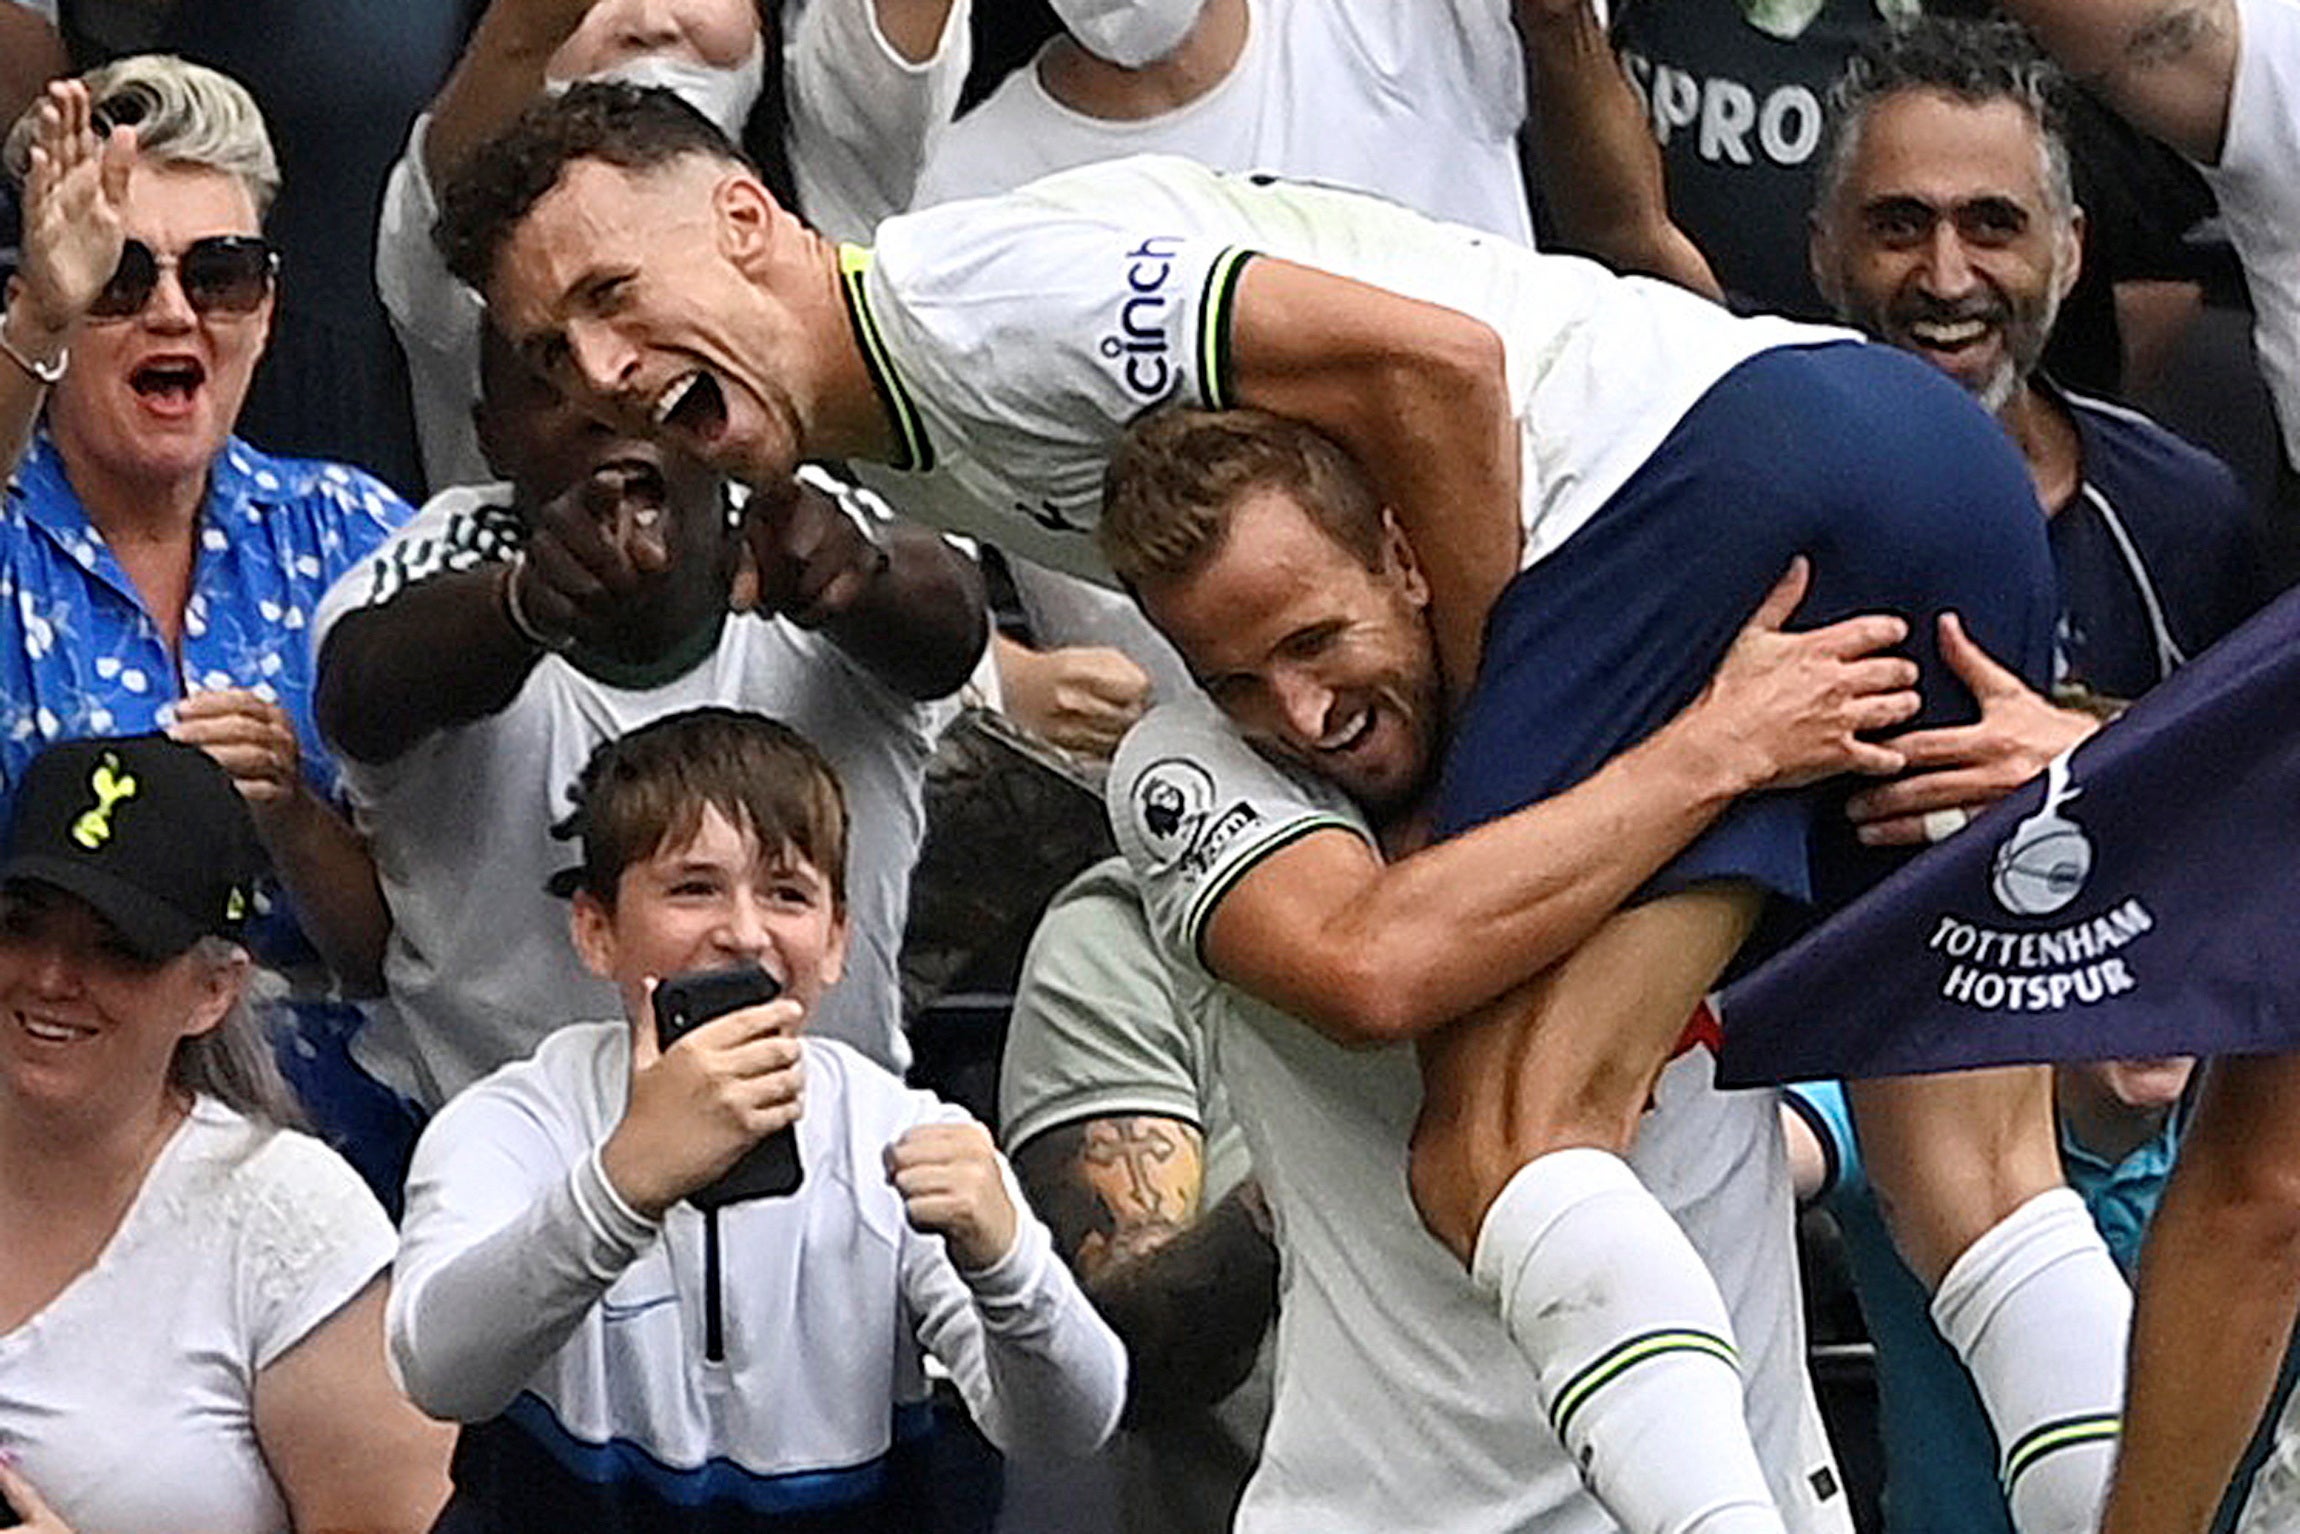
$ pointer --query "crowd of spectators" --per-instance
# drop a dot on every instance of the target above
(391, 737)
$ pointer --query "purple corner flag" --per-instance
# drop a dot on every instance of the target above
(2142, 898)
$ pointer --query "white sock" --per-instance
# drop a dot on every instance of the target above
(1630, 1345)
(2040, 1315)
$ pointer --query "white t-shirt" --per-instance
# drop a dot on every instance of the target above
(1401, 1401)
(2258, 184)
(129, 1401)
(1013, 338)
(479, 966)
(860, 120)
(1420, 104)
(520, 1271)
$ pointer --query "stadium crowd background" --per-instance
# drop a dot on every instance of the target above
(405, 791)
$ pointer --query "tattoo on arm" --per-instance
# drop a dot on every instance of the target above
(1113, 1188)
(1190, 1293)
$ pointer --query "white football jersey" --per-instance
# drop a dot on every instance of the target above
(1401, 1402)
(1013, 338)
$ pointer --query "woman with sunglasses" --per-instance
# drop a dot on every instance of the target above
(160, 571)
(192, 1297)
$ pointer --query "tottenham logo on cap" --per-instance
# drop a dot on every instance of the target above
(2042, 866)
(111, 786)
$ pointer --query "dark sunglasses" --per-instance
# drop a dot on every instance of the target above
(222, 274)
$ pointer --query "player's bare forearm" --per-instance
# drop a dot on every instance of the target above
(499, 73)
(921, 625)
(2169, 65)
(1371, 953)
(1420, 394)
(2218, 1288)
(439, 654)
(1599, 168)
(1189, 1292)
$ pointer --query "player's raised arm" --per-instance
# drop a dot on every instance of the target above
(1420, 394)
(2169, 65)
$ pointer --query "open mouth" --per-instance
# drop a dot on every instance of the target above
(1950, 335)
(637, 480)
(48, 1031)
(695, 407)
(168, 381)
(1350, 735)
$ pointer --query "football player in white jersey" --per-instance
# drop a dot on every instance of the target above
(987, 356)
(1399, 1401)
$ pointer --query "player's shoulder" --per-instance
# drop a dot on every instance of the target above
(1184, 761)
(1051, 215)
(1194, 807)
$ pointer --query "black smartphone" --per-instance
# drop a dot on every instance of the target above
(683, 1003)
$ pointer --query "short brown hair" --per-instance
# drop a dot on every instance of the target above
(499, 183)
(648, 790)
(1176, 477)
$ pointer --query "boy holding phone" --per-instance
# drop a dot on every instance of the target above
(556, 1287)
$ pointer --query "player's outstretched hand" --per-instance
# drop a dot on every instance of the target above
(1963, 769)
(1790, 708)
(951, 1186)
(804, 556)
(594, 548)
(697, 1107)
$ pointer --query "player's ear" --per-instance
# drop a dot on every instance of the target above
(1399, 560)
(748, 220)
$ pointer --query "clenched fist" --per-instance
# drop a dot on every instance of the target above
(952, 1185)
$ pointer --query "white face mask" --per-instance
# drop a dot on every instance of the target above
(724, 95)
(1129, 33)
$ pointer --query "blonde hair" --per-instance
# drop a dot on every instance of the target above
(184, 114)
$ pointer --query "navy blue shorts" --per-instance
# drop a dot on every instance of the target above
(1907, 497)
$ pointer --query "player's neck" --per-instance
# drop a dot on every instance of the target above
(1095, 87)
(847, 417)
(2042, 429)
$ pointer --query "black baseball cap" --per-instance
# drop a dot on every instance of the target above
(147, 830)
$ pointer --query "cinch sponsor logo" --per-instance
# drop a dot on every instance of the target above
(1732, 125)
(1140, 344)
